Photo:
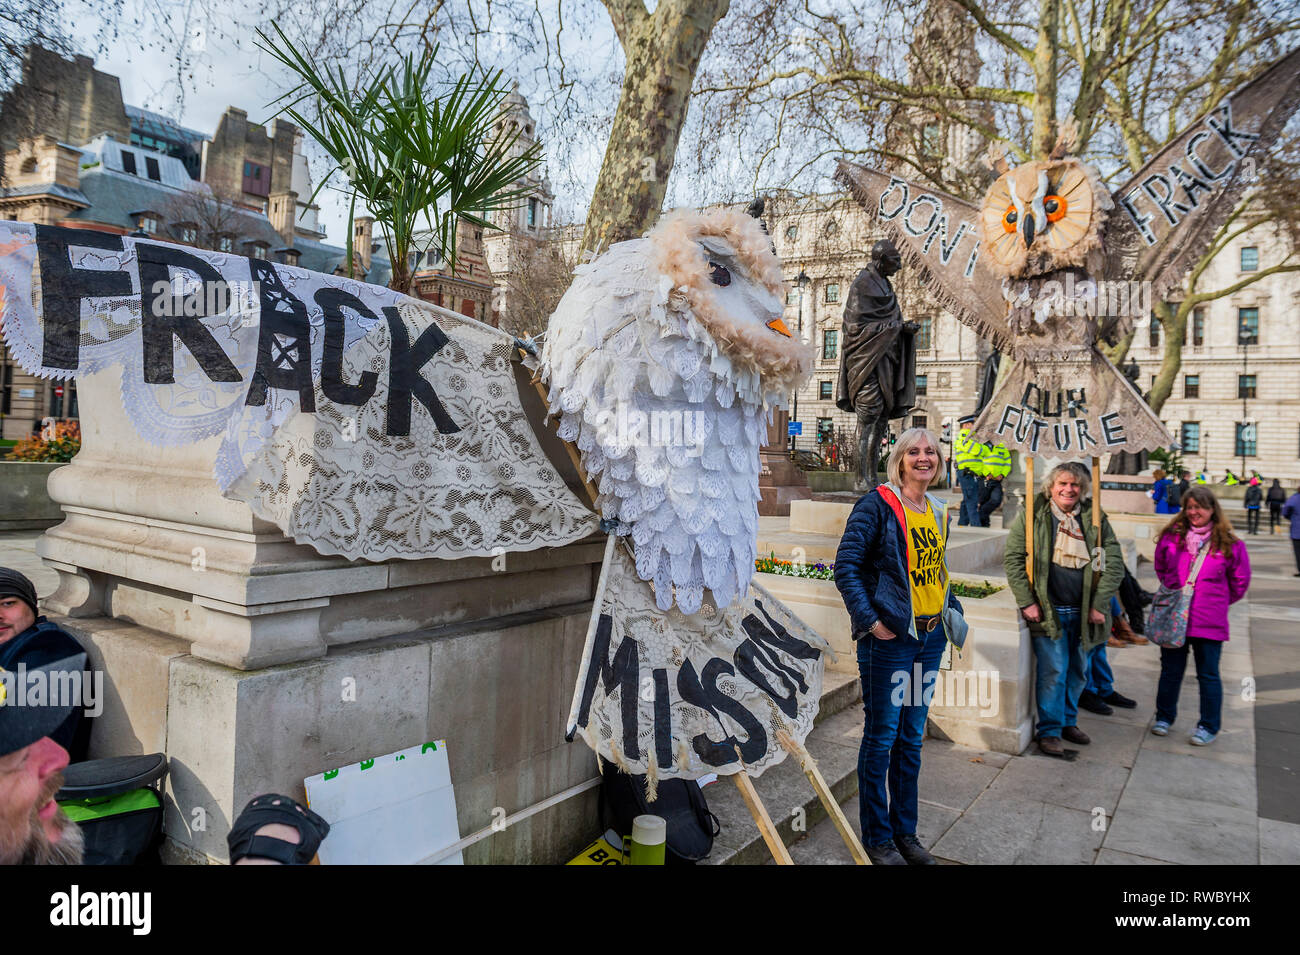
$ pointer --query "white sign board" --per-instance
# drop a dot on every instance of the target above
(398, 809)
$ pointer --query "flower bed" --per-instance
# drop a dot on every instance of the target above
(824, 571)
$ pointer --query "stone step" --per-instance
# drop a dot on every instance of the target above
(784, 789)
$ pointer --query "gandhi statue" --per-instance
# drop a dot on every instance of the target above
(877, 358)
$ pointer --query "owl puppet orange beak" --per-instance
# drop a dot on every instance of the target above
(778, 326)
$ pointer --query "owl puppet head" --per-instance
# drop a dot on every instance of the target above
(1043, 215)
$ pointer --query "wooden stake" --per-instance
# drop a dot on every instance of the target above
(1029, 519)
(756, 809)
(568, 446)
(1096, 497)
(809, 767)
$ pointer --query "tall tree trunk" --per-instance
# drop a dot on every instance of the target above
(663, 52)
(1049, 23)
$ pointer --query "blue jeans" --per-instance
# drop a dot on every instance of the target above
(969, 482)
(889, 761)
(1101, 681)
(1172, 665)
(1061, 675)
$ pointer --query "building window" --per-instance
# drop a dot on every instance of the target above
(1246, 386)
(792, 233)
(187, 233)
(532, 213)
(923, 334)
(258, 250)
(257, 179)
(932, 139)
(1250, 258)
(832, 293)
(1198, 326)
(825, 392)
(1247, 326)
(1245, 440)
(920, 421)
(128, 162)
(922, 384)
(832, 227)
(151, 168)
(225, 243)
(1191, 441)
(1191, 386)
(1155, 332)
(792, 296)
(149, 224)
(830, 342)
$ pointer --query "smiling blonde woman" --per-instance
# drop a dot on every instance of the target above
(892, 571)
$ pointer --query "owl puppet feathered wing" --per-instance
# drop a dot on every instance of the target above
(663, 360)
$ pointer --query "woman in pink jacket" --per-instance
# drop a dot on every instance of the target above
(1223, 579)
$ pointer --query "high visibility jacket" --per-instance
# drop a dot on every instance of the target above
(996, 460)
(1231, 479)
(967, 453)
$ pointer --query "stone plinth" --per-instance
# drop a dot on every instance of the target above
(254, 662)
(24, 501)
(497, 691)
(779, 482)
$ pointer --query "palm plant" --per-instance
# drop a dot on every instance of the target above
(407, 154)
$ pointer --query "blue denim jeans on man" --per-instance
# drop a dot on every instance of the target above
(1061, 675)
(1101, 679)
(889, 761)
(1172, 665)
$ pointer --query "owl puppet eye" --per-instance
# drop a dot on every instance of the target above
(719, 275)
(1009, 219)
(1056, 207)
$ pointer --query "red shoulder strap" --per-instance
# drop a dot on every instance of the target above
(896, 506)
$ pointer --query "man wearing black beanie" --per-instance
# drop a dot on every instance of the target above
(29, 642)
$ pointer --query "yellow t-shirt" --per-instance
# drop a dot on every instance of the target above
(925, 560)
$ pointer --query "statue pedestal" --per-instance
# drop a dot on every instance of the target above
(779, 481)
(254, 662)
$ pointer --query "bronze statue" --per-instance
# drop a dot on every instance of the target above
(877, 358)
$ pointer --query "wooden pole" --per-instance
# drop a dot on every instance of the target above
(568, 446)
(756, 809)
(809, 767)
(1096, 497)
(1029, 519)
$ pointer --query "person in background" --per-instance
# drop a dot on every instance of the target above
(996, 463)
(1229, 478)
(28, 640)
(1160, 490)
(1067, 602)
(1184, 483)
(1222, 580)
(1254, 496)
(1275, 498)
(892, 572)
(1291, 511)
(1202, 477)
(968, 459)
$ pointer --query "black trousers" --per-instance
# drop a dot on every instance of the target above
(1252, 520)
(1295, 546)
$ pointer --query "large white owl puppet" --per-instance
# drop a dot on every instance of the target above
(663, 361)
(1052, 260)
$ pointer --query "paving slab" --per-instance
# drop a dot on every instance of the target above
(1076, 785)
(1279, 842)
(1191, 776)
(1235, 746)
(1184, 831)
(1113, 857)
(1007, 829)
(1113, 742)
(951, 777)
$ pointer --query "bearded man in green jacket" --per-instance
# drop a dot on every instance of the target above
(1067, 606)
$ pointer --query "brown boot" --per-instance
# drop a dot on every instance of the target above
(1051, 746)
(1126, 634)
(1075, 735)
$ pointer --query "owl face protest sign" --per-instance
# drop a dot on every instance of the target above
(1052, 260)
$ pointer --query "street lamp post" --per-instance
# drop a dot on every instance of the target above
(802, 281)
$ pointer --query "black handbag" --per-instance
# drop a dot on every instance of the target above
(680, 802)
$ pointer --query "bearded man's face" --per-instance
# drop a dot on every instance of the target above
(33, 829)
